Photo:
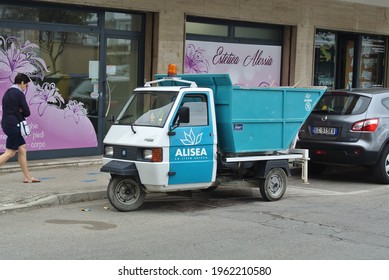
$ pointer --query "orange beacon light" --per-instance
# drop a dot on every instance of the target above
(172, 70)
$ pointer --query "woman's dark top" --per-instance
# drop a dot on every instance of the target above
(15, 109)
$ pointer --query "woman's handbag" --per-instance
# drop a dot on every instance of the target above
(24, 128)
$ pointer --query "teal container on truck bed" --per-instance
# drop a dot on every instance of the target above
(252, 120)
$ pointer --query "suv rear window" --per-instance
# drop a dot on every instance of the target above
(342, 104)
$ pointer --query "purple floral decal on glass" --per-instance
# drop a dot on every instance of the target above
(53, 122)
(19, 58)
(194, 60)
(75, 109)
(46, 95)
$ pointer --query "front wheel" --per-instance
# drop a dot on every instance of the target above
(125, 194)
(273, 187)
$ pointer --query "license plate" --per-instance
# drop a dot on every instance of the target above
(318, 130)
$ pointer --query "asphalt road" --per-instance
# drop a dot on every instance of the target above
(341, 215)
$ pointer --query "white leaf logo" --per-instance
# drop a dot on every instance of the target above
(191, 139)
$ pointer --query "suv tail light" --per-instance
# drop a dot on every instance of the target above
(369, 125)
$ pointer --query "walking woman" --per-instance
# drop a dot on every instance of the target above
(15, 109)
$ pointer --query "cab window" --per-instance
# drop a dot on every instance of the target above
(198, 110)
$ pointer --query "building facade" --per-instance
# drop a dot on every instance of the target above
(85, 56)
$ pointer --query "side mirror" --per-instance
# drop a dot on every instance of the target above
(183, 115)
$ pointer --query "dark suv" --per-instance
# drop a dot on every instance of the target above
(349, 127)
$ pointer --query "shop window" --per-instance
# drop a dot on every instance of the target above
(250, 53)
(62, 115)
(46, 14)
(371, 61)
(324, 59)
(346, 59)
(123, 21)
(258, 33)
(206, 29)
(59, 47)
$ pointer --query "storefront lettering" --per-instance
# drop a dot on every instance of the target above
(257, 59)
(228, 58)
(225, 58)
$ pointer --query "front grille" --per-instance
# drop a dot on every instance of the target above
(126, 152)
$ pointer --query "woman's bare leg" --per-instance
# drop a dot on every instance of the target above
(8, 154)
(22, 158)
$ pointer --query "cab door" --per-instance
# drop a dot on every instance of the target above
(193, 145)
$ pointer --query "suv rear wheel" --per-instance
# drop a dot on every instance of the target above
(381, 169)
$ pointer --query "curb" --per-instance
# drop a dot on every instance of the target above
(52, 200)
(52, 163)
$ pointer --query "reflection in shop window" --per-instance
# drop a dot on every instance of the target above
(206, 29)
(372, 57)
(47, 14)
(123, 21)
(324, 59)
(56, 122)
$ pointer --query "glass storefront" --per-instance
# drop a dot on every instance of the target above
(344, 60)
(371, 58)
(325, 59)
(250, 53)
(80, 72)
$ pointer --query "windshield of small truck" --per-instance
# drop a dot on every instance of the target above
(147, 109)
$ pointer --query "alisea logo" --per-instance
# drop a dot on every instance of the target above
(188, 153)
(308, 100)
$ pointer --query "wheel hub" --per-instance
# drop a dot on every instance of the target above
(275, 184)
(126, 192)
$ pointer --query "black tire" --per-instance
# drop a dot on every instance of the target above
(273, 187)
(316, 168)
(125, 194)
(381, 169)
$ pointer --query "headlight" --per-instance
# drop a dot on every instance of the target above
(154, 155)
(148, 154)
(108, 151)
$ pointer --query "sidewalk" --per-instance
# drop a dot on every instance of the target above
(64, 180)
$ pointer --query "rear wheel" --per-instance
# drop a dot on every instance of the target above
(381, 169)
(125, 194)
(273, 187)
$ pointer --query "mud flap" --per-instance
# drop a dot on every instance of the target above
(264, 167)
(121, 168)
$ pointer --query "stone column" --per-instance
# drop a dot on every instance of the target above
(305, 48)
(171, 39)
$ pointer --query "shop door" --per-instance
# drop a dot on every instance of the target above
(348, 47)
(121, 77)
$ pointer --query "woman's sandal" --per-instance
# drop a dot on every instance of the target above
(33, 180)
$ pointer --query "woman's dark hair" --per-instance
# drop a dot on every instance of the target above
(20, 77)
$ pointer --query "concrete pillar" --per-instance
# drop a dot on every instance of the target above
(305, 49)
(171, 33)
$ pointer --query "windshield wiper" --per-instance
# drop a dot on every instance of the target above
(132, 127)
(131, 123)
